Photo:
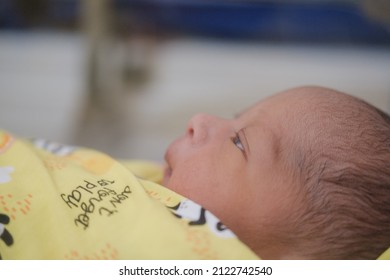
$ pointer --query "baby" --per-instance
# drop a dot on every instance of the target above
(304, 174)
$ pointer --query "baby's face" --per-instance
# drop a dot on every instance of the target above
(233, 167)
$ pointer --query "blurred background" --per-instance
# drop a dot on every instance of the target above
(125, 76)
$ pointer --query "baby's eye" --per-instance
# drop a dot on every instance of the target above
(237, 141)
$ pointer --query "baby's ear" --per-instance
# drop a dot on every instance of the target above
(385, 255)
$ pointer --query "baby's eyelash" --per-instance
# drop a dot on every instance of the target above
(237, 141)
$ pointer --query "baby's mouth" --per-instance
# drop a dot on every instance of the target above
(167, 174)
(168, 166)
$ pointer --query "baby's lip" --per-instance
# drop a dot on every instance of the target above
(170, 161)
(167, 174)
(168, 156)
(167, 168)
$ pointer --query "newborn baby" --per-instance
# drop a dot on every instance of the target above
(304, 174)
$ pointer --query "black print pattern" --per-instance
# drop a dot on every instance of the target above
(198, 215)
(5, 235)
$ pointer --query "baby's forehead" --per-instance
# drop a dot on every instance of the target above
(318, 97)
(306, 111)
(314, 102)
(325, 117)
(303, 112)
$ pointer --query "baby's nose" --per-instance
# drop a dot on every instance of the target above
(199, 127)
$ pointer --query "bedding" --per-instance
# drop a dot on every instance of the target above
(385, 255)
(65, 202)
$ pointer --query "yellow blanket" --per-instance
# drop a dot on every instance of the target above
(62, 202)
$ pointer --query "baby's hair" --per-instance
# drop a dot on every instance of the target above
(345, 170)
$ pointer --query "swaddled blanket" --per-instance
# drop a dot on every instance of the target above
(63, 202)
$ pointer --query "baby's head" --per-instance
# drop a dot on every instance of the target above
(302, 174)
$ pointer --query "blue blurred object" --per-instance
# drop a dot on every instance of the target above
(297, 21)
(64, 10)
(9, 17)
(316, 21)
(23, 14)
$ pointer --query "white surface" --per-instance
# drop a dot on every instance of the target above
(41, 81)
